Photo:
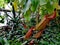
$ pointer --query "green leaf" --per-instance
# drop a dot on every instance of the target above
(7, 1)
(43, 11)
(1, 3)
(6, 41)
(27, 6)
(49, 7)
(34, 5)
(27, 15)
(1, 41)
(43, 2)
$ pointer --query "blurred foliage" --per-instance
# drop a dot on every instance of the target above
(29, 9)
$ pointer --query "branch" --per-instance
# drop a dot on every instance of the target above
(5, 10)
